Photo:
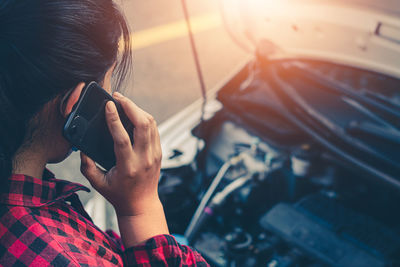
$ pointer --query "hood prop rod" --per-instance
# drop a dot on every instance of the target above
(196, 59)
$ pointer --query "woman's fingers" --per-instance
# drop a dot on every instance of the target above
(143, 122)
(92, 172)
(147, 148)
(122, 142)
(132, 111)
(158, 149)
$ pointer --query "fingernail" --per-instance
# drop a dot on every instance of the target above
(110, 107)
(118, 95)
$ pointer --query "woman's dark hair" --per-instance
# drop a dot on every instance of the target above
(47, 47)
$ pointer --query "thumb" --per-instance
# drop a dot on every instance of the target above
(89, 169)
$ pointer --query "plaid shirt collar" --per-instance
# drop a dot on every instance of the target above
(23, 190)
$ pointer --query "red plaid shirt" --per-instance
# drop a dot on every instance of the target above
(43, 223)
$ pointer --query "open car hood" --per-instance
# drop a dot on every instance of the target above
(324, 67)
(363, 34)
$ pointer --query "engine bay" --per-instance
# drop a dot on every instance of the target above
(261, 191)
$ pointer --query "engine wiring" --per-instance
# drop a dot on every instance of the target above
(255, 168)
(216, 181)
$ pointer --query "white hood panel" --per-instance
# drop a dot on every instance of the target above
(350, 35)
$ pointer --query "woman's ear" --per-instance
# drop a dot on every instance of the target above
(70, 100)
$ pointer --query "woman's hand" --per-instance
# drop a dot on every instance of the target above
(131, 186)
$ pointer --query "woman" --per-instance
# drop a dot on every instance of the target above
(49, 49)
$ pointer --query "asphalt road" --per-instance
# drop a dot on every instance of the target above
(164, 79)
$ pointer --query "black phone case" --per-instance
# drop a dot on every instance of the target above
(86, 127)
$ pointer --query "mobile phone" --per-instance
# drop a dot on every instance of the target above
(86, 127)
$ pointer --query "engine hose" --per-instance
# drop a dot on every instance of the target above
(210, 191)
(217, 201)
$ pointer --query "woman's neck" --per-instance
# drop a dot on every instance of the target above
(29, 162)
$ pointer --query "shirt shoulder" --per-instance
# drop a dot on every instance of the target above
(52, 236)
(25, 242)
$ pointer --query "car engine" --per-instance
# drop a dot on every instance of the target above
(263, 192)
